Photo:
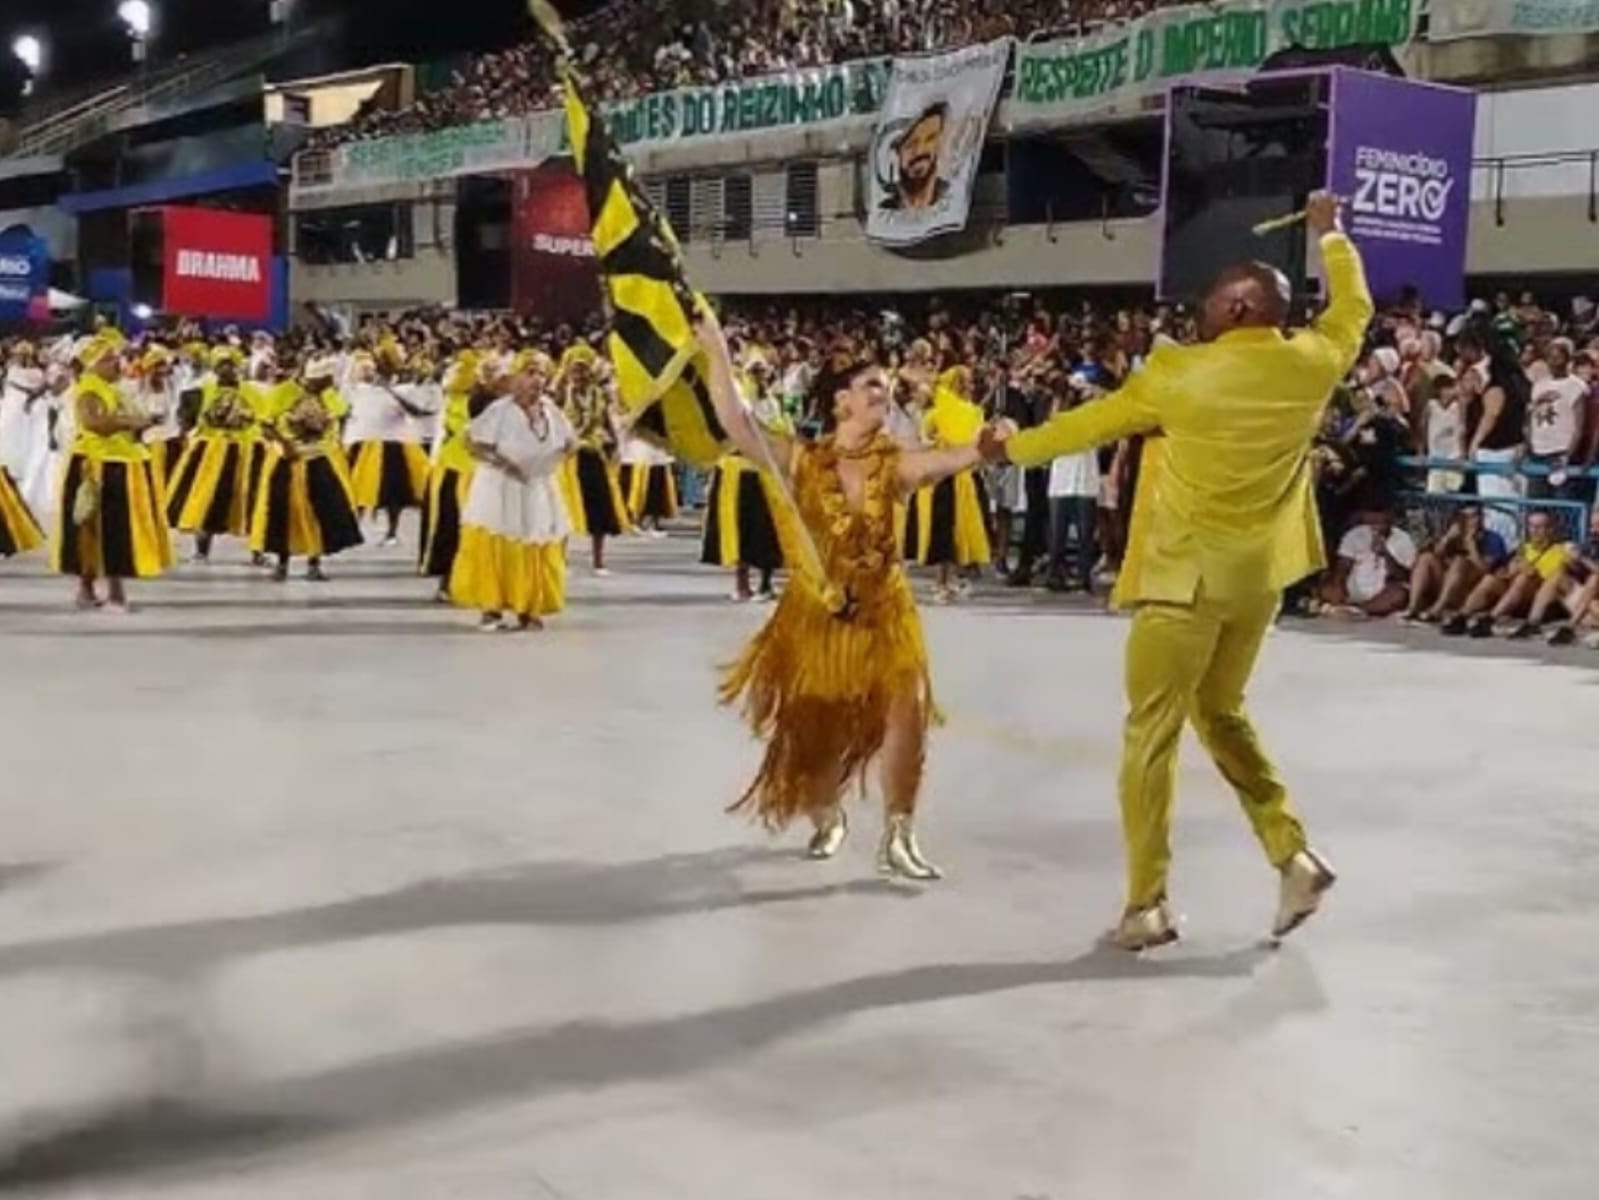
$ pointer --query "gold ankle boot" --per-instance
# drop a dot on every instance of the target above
(900, 855)
(1144, 929)
(1306, 877)
(829, 836)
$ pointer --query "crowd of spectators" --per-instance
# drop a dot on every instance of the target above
(1455, 473)
(629, 48)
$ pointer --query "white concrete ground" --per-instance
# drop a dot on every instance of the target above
(314, 893)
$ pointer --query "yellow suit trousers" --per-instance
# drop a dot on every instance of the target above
(1192, 663)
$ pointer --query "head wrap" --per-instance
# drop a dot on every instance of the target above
(92, 350)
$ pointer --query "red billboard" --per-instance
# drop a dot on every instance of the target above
(216, 264)
(553, 272)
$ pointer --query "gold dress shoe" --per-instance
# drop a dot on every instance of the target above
(829, 836)
(1144, 929)
(901, 857)
(1305, 879)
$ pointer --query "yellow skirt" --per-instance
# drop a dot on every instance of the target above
(947, 523)
(818, 689)
(495, 574)
(19, 532)
(304, 507)
(389, 475)
(209, 491)
(125, 537)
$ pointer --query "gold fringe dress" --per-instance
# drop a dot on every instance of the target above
(818, 687)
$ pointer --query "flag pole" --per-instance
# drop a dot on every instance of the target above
(837, 601)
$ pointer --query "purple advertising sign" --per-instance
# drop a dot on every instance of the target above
(1400, 155)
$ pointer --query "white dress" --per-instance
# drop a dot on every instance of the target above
(530, 513)
(25, 436)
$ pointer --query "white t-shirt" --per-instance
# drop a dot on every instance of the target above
(1444, 430)
(162, 404)
(376, 416)
(1555, 413)
(1369, 575)
(1074, 475)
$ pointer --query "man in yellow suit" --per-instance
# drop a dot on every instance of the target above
(1225, 518)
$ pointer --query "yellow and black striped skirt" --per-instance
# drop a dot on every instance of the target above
(124, 533)
(388, 475)
(947, 523)
(209, 492)
(650, 490)
(441, 520)
(593, 495)
(740, 528)
(19, 531)
(305, 508)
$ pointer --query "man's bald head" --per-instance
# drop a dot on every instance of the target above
(1251, 295)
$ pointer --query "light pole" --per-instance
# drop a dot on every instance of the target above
(30, 52)
(139, 17)
(281, 14)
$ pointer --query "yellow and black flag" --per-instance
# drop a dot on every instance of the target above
(652, 341)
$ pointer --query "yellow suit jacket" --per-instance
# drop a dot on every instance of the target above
(1229, 505)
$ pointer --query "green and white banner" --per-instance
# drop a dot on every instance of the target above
(458, 150)
(1451, 20)
(1217, 42)
(809, 97)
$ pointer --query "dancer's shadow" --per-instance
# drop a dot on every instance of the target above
(536, 1063)
(552, 893)
(14, 875)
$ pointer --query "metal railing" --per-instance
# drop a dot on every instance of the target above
(1429, 511)
(1500, 168)
(64, 130)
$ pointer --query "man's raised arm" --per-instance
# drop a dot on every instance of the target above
(1349, 306)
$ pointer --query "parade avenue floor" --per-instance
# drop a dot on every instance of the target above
(313, 892)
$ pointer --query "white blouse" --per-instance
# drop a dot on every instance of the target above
(531, 511)
(376, 416)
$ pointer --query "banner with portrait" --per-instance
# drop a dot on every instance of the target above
(929, 141)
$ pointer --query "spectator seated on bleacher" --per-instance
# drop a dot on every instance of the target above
(1577, 590)
(1371, 577)
(1448, 571)
(1515, 602)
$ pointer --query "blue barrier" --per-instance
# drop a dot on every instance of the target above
(1427, 514)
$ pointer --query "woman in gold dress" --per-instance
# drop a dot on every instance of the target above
(838, 677)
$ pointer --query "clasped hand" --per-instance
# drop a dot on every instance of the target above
(992, 438)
